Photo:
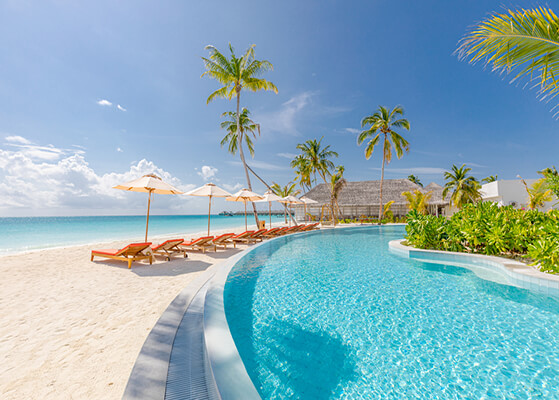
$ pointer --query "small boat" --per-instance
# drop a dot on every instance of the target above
(226, 213)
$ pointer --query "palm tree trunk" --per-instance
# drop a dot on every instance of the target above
(331, 194)
(381, 182)
(241, 153)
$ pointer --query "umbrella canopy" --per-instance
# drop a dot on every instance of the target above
(307, 201)
(245, 195)
(209, 190)
(290, 200)
(148, 184)
(270, 196)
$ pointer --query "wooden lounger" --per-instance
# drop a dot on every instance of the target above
(258, 235)
(201, 243)
(271, 233)
(242, 238)
(132, 252)
(223, 240)
(168, 248)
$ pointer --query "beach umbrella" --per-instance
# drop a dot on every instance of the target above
(209, 190)
(269, 196)
(245, 195)
(306, 201)
(148, 184)
(290, 200)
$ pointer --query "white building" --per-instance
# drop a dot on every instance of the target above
(511, 193)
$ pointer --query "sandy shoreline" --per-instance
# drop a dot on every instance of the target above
(72, 329)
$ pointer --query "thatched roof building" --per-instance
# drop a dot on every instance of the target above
(362, 198)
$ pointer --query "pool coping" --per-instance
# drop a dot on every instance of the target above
(517, 273)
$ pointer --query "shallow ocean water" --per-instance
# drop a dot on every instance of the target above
(333, 314)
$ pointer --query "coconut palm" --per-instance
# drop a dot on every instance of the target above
(538, 193)
(381, 124)
(284, 191)
(235, 74)
(303, 172)
(234, 139)
(337, 183)
(464, 187)
(489, 179)
(524, 41)
(418, 200)
(415, 179)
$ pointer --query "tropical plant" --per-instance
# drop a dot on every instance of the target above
(415, 179)
(549, 171)
(418, 201)
(284, 191)
(465, 188)
(526, 41)
(303, 172)
(387, 212)
(551, 177)
(538, 193)
(234, 139)
(381, 127)
(489, 179)
(337, 183)
(235, 74)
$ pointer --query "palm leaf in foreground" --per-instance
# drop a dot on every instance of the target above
(526, 41)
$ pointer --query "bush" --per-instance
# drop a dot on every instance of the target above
(486, 228)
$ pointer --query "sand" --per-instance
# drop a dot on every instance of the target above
(72, 329)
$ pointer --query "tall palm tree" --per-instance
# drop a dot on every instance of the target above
(526, 41)
(284, 191)
(418, 200)
(235, 74)
(464, 187)
(337, 183)
(234, 138)
(489, 179)
(381, 124)
(303, 172)
(538, 193)
(415, 179)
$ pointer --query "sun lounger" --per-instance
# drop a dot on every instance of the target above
(132, 252)
(242, 238)
(271, 233)
(168, 248)
(201, 243)
(281, 231)
(223, 240)
(293, 229)
(258, 235)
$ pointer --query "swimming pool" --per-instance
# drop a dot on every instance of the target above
(334, 314)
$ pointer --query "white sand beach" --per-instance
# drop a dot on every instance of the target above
(72, 329)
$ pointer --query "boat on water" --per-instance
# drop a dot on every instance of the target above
(226, 213)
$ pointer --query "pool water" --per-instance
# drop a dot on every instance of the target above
(334, 315)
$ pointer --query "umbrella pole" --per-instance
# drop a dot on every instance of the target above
(246, 226)
(270, 212)
(147, 219)
(209, 213)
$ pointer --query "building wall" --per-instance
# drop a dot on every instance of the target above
(510, 193)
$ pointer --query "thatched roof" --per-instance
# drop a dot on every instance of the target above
(367, 192)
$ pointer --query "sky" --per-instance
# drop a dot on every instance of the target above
(93, 94)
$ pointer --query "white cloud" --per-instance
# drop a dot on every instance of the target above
(261, 165)
(207, 172)
(414, 170)
(119, 150)
(352, 130)
(104, 102)
(120, 107)
(17, 139)
(64, 184)
(284, 119)
(232, 188)
(287, 155)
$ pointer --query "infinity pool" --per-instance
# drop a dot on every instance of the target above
(333, 314)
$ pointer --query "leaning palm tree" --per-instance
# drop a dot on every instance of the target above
(538, 193)
(234, 138)
(415, 179)
(381, 124)
(465, 188)
(284, 191)
(337, 183)
(235, 74)
(418, 200)
(524, 41)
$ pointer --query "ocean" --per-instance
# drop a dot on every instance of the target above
(35, 233)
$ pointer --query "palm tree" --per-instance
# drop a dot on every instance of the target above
(418, 200)
(415, 179)
(337, 183)
(382, 122)
(538, 194)
(387, 212)
(465, 189)
(526, 41)
(303, 172)
(549, 171)
(234, 139)
(235, 74)
(284, 191)
(489, 179)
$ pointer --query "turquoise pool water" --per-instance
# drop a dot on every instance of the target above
(333, 314)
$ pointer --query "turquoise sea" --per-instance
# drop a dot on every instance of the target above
(34, 233)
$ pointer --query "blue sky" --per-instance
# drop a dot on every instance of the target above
(62, 146)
